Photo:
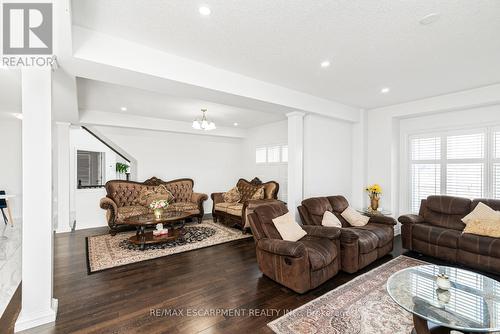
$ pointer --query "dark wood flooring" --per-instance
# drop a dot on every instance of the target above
(221, 277)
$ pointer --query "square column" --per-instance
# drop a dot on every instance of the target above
(295, 160)
(37, 252)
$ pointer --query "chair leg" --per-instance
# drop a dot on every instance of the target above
(10, 213)
(5, 220)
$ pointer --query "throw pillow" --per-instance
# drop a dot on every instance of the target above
(488, 228)
(288, 228)
(481, 212)
(232, 196)
(354, 218)
(329, 219)
(258, 194)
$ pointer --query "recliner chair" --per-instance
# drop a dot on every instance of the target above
(301, 265)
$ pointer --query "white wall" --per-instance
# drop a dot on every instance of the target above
(327, 157)
(384, 127)
(11, 161)
(271, 134)
(214, 163)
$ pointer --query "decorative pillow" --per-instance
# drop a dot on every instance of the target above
(258, 194)
(488, 228)
(354, 218)
(481, 212)
(246, 190)
(288, 228)
(232, 196)
(329, 219)
(146, 196)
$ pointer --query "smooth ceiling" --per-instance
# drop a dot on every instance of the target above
(371, 43)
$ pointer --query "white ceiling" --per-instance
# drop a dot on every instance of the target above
(100, 96)
(371, 44)
(10, 91)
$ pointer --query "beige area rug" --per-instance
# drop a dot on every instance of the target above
(106, 251)
(361, 306)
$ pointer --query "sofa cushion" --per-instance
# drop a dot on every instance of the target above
(125, 212)
(321, 251)
(232, 196)
(384, 233)
(246, 189)
(182, 206)
(265, 214)
(367, 240)
(446, 211)
(480, 245)
(235, 209)
(258, 194)
(436, 235)
(222, 206)
(338, 203)
(181, 189)
(492, 203)
(124, 193)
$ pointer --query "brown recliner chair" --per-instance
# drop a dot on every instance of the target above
(300, 265)
(360, 246)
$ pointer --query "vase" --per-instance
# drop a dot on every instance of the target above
(158, 213)
(374, 203)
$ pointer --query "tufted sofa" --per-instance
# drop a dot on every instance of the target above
(237, 212)
(122, 200)
(360, 246)
(301, 265)
(438, 231)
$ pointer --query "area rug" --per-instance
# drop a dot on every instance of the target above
(361, 306)
(106, 251)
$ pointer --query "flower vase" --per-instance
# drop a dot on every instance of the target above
(158, 213)
(374, 203)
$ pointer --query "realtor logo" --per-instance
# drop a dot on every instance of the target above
(27, 28)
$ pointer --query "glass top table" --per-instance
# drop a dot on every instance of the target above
(472, 304)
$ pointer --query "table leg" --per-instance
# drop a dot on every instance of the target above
(143, 238)
(422, 326)
(9, 212)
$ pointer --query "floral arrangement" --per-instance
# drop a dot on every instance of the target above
(374, 191)
(158, 204)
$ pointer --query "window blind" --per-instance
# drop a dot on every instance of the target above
(426, 181)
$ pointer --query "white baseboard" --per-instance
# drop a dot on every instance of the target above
(27, 321)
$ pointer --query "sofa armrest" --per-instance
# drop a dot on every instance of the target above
(411, 219)
(249, 207)
(198, 198)
(107, 203)
(382, 220)
(282, 247)
(217, 197)
(331, 233)
(348, 237)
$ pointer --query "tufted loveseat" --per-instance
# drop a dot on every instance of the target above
(122, 199)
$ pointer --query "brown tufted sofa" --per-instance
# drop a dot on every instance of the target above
(360, 246)
(237, 212)
(301, 265)
(437, 231)
(122, 200)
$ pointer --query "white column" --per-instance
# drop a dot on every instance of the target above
(62, 174)
(295, 160)
(37, 304)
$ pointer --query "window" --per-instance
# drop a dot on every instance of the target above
(90, 169)
(271, 154)
(455, 164)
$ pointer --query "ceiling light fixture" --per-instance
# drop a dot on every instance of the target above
(235, 123)
(203, 124)
(428, 19)
(123, 108)
(325, 64)
(385, 90)
(204, 10)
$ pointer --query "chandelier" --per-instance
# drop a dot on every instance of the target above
(203, 124)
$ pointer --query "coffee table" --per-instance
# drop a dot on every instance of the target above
(141, 222)
(471, 305)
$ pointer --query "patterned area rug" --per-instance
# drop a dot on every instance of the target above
(106, 251)
(361, 306)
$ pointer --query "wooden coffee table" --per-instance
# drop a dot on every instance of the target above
(168, 219)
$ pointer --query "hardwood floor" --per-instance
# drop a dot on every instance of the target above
(122, 300)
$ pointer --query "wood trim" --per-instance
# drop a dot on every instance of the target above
(9, 316)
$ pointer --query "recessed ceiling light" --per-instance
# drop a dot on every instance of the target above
(235, 124)
(385, 90)
(18, 116)
(325, 64)
(123, 108)
(204, 10)
(430, 18)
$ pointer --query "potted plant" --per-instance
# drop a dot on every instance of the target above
(121, 168)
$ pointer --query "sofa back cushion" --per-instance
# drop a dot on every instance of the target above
(492, 203)
(446, 211)
(265, 215)
(316, 207)
(181, 189)
(124, 193)
(248, 188)
(339, 204)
